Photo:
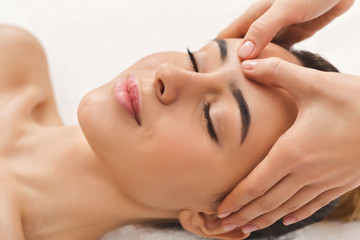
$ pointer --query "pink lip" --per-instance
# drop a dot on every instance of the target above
(127, 95)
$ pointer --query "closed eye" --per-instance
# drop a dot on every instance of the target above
(209, 124)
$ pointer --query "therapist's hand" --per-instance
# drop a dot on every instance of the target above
(314, 162)
(283, 21)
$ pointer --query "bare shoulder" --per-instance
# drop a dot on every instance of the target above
(22, 59)
(23, 66)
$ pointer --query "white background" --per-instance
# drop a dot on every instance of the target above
(89, 42)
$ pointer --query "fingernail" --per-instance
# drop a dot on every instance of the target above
(246, 49)
(228, 227)
(249, 64)
(248, 229)
(289, 220)
(224, 214)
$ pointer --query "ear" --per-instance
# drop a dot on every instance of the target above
(207, 225)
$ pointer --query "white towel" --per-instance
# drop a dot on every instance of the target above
(318, 231)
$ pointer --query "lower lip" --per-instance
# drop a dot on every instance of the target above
(127, 95)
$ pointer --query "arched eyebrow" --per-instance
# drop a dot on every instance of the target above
(243, 108)
(237, 94)
(222, 47)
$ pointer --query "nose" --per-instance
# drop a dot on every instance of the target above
(173, 83)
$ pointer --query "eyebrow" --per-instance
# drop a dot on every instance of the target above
(243, 108)
(237, 94)
(223, 48)
(246, 119)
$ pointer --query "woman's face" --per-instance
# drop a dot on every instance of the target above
(172, 160)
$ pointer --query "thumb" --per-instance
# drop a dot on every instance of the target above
(297, 80)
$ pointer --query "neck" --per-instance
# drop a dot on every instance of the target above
(70, 193)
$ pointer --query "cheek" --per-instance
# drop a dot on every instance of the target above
(109, 132)
(172, 168)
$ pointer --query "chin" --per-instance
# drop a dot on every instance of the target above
(96, 117)
(108, 130)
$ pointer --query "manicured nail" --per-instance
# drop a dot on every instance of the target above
(249, 64)
(228, 227)
(246, 49)
(224, 214)
(289, 220)
(248, 229)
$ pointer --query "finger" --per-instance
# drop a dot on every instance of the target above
(309, 209)
(292, 34)
(297, 80)
(263, 177)
(269, 202)
(298, 32)
(301, 198)
(310, 192)
(264, 29)
(240, 26)
(296, 210)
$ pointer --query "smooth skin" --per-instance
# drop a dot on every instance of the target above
(314, 161)
(79, 182)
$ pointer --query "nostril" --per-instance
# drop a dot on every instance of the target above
(162, 86)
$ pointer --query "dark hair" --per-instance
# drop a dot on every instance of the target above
(309, 60)
(315, 61)
(278, 228)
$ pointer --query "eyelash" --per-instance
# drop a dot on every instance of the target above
(192, 59)
(209, 125)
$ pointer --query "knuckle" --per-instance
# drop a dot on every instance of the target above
(268, 206)
(273, 65)
(315, 81)
(259, 26)
(308, 156)
(241, 219)
(296, 16)
(289, 152)
(255, 192)
(234, 204)
(237, 191)
(323, 202)
(273, 62)
(303, 158)
(291, 207)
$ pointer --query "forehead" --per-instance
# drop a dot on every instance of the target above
(273, 50)
(210, 57)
